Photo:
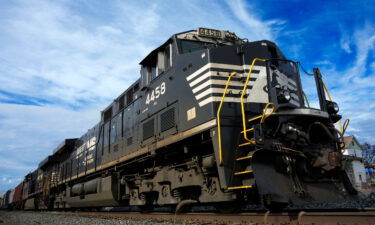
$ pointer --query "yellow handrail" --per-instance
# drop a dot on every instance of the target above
(264, 115)
(290, 149)
(329, 97)
(345, 126)
(307, 100)
(242, 97)
(218, 117)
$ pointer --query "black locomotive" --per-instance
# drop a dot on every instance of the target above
(213, 118)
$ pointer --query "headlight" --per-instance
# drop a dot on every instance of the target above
(284, 96)
(332, 107)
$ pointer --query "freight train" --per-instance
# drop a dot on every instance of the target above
(213, 118)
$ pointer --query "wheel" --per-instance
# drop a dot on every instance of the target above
(185, 205)
(272, 206)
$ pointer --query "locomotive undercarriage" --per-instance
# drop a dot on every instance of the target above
(187, 171)
(165, 177)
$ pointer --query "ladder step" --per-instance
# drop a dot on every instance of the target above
(243, 172)
(246, 143)
(245, 157)
(248, 130)
(290, 149)
(239, 187)
(255, 118)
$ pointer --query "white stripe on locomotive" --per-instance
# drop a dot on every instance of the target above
(221, 66)
(259, 94)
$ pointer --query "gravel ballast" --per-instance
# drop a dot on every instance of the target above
(57, 218)
(50, 218)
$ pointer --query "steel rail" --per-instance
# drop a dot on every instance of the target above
(293, 217)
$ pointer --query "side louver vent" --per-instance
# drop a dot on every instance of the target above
(167, 120)
(148, 129)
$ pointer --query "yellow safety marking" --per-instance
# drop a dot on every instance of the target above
(239, 187)
(245, 157)
(218, 117)
(243, 172)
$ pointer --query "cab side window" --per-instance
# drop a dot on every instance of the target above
(156, 64)
(164, 61)
(113, 131)
(116, 128)
(106, 134)
(168, 57)
(129, 97)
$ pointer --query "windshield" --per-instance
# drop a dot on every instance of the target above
(187, 46)
(284, 77)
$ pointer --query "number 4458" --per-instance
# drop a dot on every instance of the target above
(155, 93)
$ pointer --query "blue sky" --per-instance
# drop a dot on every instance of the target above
(63, 61)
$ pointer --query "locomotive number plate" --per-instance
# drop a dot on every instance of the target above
(155, 93)
(209, 32)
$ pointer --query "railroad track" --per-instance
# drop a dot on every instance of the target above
(366, 217)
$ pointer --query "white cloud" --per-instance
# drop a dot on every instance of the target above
(56, 53)
(63, 57)
(260, 29)
(345, 42)
(81, 55)
(364, 43)
(28, 133)
(9, 181)
(345, 45)
(354, 88)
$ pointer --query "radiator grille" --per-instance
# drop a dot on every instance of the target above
(167, 120)
(148, 129)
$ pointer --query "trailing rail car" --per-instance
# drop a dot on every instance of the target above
(213, 118)
(17, 201)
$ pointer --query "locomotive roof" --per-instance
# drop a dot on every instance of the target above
(151, 55)
(65, 145)
(47, 161)
(200, 34)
